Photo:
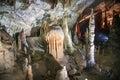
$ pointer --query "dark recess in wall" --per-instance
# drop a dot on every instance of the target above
(117, 1)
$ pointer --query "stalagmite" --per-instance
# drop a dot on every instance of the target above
(62, 74)
(29, 73)
(91, 60)
(25, 65)
(68, 40)
(55, 39)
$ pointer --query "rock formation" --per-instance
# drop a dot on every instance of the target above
(55, 39)
(91, 52)
(62, 74)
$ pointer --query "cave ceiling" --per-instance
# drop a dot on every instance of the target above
(25, 14)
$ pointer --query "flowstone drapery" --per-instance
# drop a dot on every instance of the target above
(55, 39)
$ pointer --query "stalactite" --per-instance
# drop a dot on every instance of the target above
(68, 40)
(55, 39)
(91, 60)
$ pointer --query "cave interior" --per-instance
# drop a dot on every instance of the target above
(59, 39)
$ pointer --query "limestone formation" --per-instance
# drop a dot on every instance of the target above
(25, 65)
(55, 39)
(91, 61)
(29, 73)
(6, 58)
(67, 40)
(62, 74)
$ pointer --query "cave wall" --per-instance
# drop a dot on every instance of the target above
(7, 58)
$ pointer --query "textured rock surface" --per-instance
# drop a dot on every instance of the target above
(6, 59)
(55, 40)
(29, 17)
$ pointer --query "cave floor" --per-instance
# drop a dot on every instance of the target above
(106, 68)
